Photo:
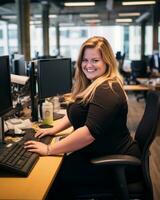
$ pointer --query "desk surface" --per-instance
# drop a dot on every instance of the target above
(36, 185)
(136, 87)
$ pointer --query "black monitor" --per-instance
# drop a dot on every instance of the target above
(154, 62)
(54, 77)
(33, 90)
(5, 90)
(139, 69)
(19, 66)
(5, 86)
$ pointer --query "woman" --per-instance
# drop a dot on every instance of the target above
(98, 113)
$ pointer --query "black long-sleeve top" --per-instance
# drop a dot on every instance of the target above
(106, 118)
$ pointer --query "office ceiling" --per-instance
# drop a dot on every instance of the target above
(107, 11)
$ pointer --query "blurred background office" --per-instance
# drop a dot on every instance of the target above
(131, 29)
(33, 29)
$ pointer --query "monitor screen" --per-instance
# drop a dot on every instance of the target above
(139, 68)
(5, 86)
(54, 77)
(154, 62)
(19, 67)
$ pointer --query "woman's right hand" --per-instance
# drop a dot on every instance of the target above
(43, 132)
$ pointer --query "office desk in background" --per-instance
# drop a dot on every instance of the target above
(136, 88)
(152, 83)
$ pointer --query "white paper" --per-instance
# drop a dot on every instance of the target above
(19, 79)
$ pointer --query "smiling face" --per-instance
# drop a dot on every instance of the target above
(92, 64)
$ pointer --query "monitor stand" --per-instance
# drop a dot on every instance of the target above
(2, 143)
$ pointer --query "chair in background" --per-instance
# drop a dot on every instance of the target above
(141, 188)
(154, 62)
(139, 70)
(120, 59)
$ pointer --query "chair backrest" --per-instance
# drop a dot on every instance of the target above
(145, 134)
(139, 68)
(149, 123)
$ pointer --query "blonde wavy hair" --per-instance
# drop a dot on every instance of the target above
(83, 88)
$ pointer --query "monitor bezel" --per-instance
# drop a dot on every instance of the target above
(6, 110)
(40, 96)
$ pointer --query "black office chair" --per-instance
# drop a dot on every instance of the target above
(120, 59)
(139, 70)
(141, 188)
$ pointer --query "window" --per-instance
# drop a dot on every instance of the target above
(1, 51)
(13, 34)
(13, 49)
(83, 33)
(126, 41)
(148, 42)
(65, 33)
(36, 41)
(1, 34)
(135, 42)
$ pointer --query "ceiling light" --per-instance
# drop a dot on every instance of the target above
(131, 3)
(93, 21)
(52, 16)
(37, 16)
(8, 16)
(35, 22)
(89, 15)
(66, 24)
(79, 4)
(124, 20)
(131, 14)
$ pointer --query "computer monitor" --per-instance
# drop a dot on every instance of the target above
(154, 62)
(5, 91)
(33, 90)
(54, 77)
(139, 69)
(19, 66)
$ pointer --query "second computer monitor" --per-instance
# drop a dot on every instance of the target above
(54, 77)
(5, 86)
(18, 65)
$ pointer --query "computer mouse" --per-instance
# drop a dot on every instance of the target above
(45, 126)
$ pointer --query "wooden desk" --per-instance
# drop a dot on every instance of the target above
(136, 88)
(152, 83)
(37, 184)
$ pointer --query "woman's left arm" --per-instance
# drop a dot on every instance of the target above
(75, 141)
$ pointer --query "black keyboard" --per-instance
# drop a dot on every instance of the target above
(17, 160)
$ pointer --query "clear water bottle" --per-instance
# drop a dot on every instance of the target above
(56, 104)
(47, 112)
